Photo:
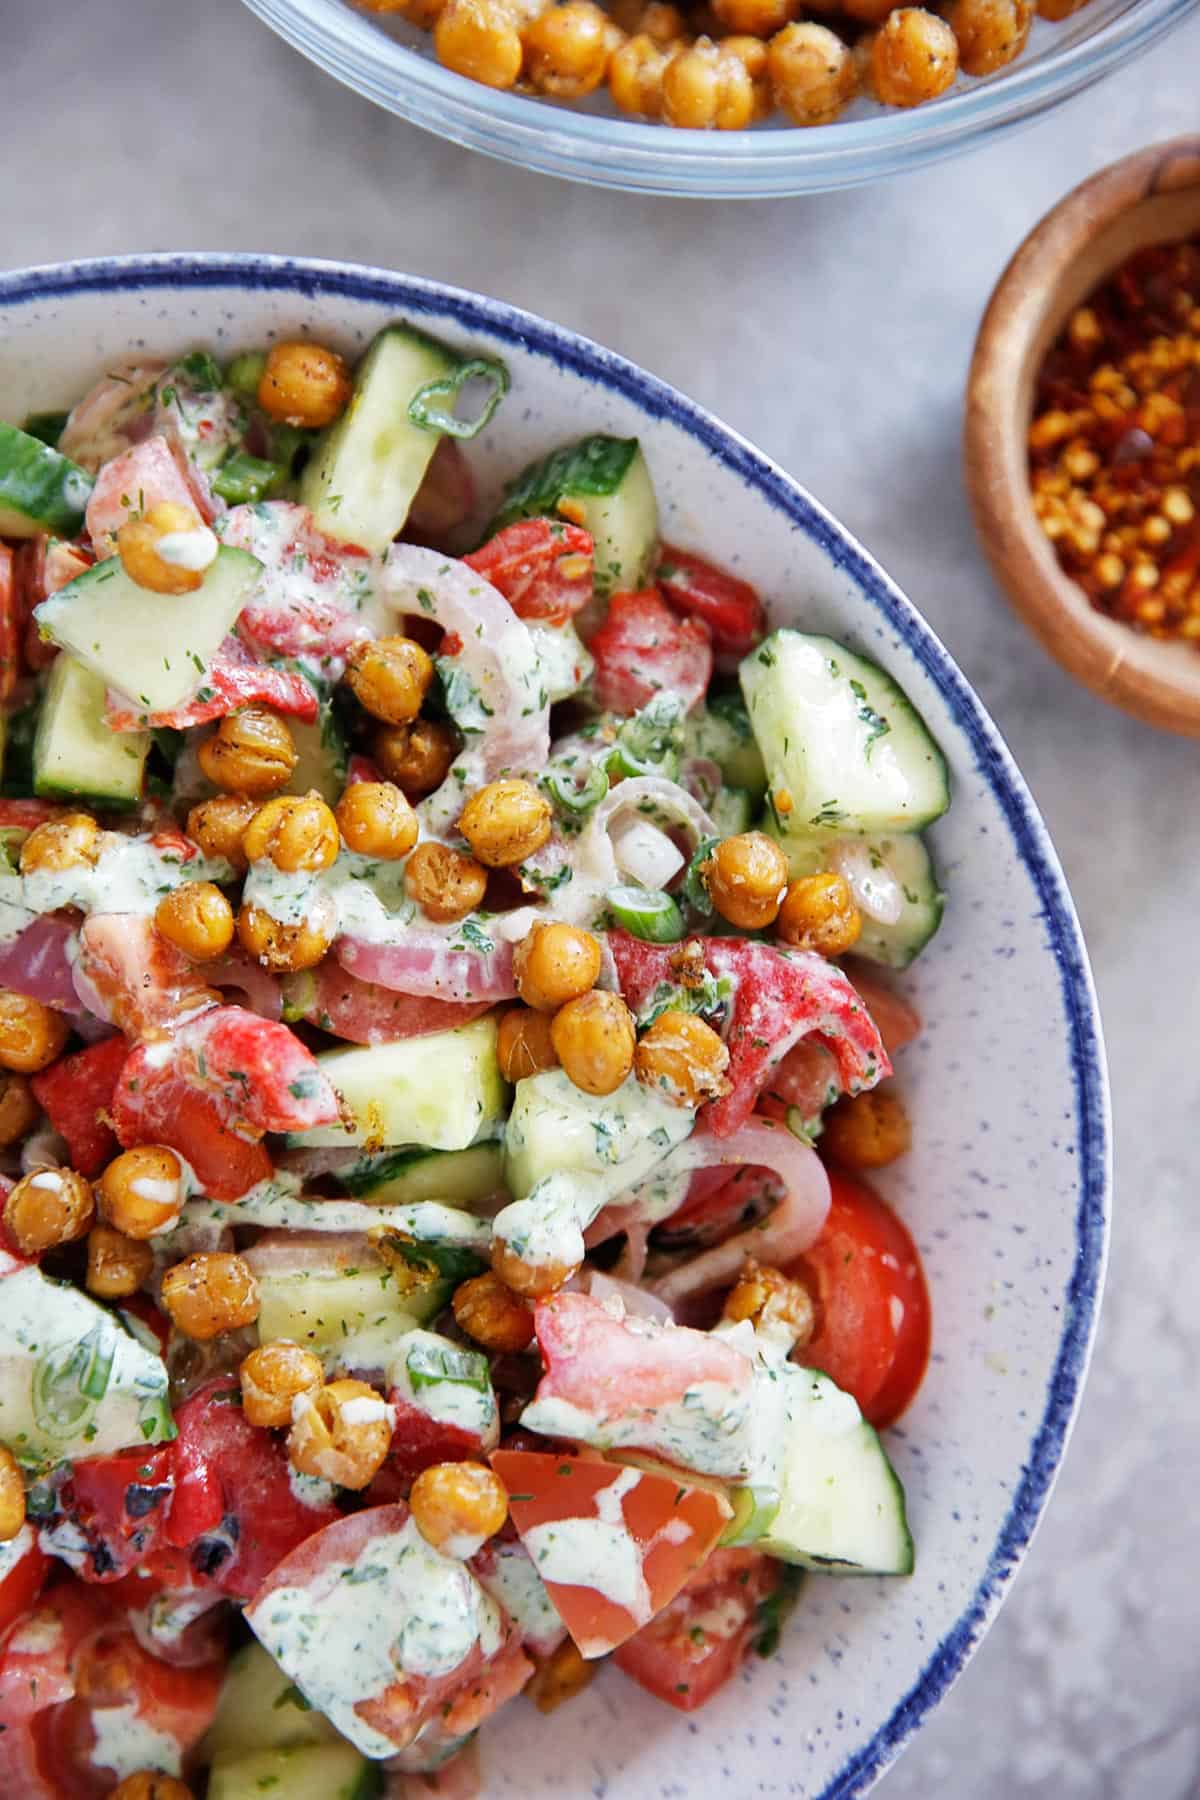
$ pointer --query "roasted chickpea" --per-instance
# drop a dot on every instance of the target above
(658, 20)
(683, 1059)
(150, 1784)
(341, 1433)
(18, 1110)
(567, 49)
(218, 826)
(251, 752)
(868, 12)
(116, 1265)
(554, 963)
(31, 1035)
(506, 821)
(209, 1293)
(149, 547)
(304, 384)
(914, 57)
(458, 1504)
(704, 88)
(818, 913)
(811, 73)
(376, 820)
(295, 832)
(72, 842)
(287, 949)
(531, 1280)
(771, 1301)
(751, 52)
(12, 1496)
(272, 1376)
(867, 1131)
(560, 1676)
(416, 757)
(755, 18)
(142, 1191)
(47, 1208)
(445, 884)
(523, 1043)
(635, 76)
(595, 1041)
(746, 877)
(197, 919)
(422, 13)
(492, 1314)
(990, 33)
(479, 39)
(390, 678)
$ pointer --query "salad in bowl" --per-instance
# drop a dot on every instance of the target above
(447, 1012)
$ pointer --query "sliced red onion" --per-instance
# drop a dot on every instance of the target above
(239, 974)
(635, 1299)
(783, 1235)
(422, 961)
(649, 797)
(302, 1252)
(37, 963)
(645, 853)
(702, 779)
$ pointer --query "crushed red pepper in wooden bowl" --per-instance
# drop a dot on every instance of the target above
(1114, 445)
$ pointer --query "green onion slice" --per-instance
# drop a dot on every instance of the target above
(646, 913)
(425, 413)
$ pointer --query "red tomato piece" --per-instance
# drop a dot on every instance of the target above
(693, 1647)
(777, 997)
(641, 1537)
(543, 567)
(719, 1203)
(37, 1660)
(363, 1012)
(142, 983)
(445, 499)
(625, 1369)
(25, 1567)
(873, 1316)
(10, 625)
(232, 1484)
(20, 1766)
(74, 1091)
(42, 566)
(135, 482)
(172, 1113)
(118, 1505)
(173, 1613)
(309, 598)
(26, 815)
(417, 1443)
(730, 608)
(469, 1691)
(643, 648)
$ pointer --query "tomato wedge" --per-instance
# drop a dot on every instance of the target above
(24, 1567)
(74, 1091)
(613, 1545)
(363, 1012)
(643, 649)
(543, 567)
(730, 608)
(873, 1315)
(693, 1647)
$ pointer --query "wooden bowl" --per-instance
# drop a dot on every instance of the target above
(1152, 197)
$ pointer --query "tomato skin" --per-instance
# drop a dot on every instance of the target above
(228, 1469)
(543, 567)
(873, 1313)
(643, 648)
(37, 1659)
(142, 982)
(73, 1091)
(119, 1503)
(730, 608)
(681, 1660)
(226, 1165)
(23, 1583)
(363, 1012)
(417, 1443)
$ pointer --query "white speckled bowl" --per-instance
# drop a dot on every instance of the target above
(1007, 1187)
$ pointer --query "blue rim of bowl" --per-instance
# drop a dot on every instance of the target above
(308, 277)
(609, 151)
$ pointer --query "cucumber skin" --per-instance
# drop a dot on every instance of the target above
(130, 746)
(591, 472)
(40, 490)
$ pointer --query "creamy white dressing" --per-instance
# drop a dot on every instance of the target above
(362, 1410)
(66, 1541)
(359, 897)
(710, 1429)
(13, 1550)
(163, 1622)
(130, 875)
(459, 1403)
(126, 1742)
(275, 1205)
(400, 1608)
(511, 1578)
(598, 1553)
(565, 664)
(195, 550)
(311, 1490)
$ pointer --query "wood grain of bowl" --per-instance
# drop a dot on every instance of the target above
(1151, 197)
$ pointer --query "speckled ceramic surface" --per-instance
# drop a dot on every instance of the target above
(1006, 1188)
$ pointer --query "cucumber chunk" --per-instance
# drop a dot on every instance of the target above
(603, 484)
(400, 1177)
(320, 757)
(841, 738)
(366, 469)
(154, 648)
(732, 811)
(40, 490)
(720, 730)
(893, 880)
(841, 1505)
(441, 1091)
(305, 1772)
(350, 1313)
(75, 754)
(556, 1129)
(261, 1709)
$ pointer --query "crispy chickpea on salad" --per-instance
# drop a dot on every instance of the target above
(441, 1034)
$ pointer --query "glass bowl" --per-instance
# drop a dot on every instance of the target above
(392, 64)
